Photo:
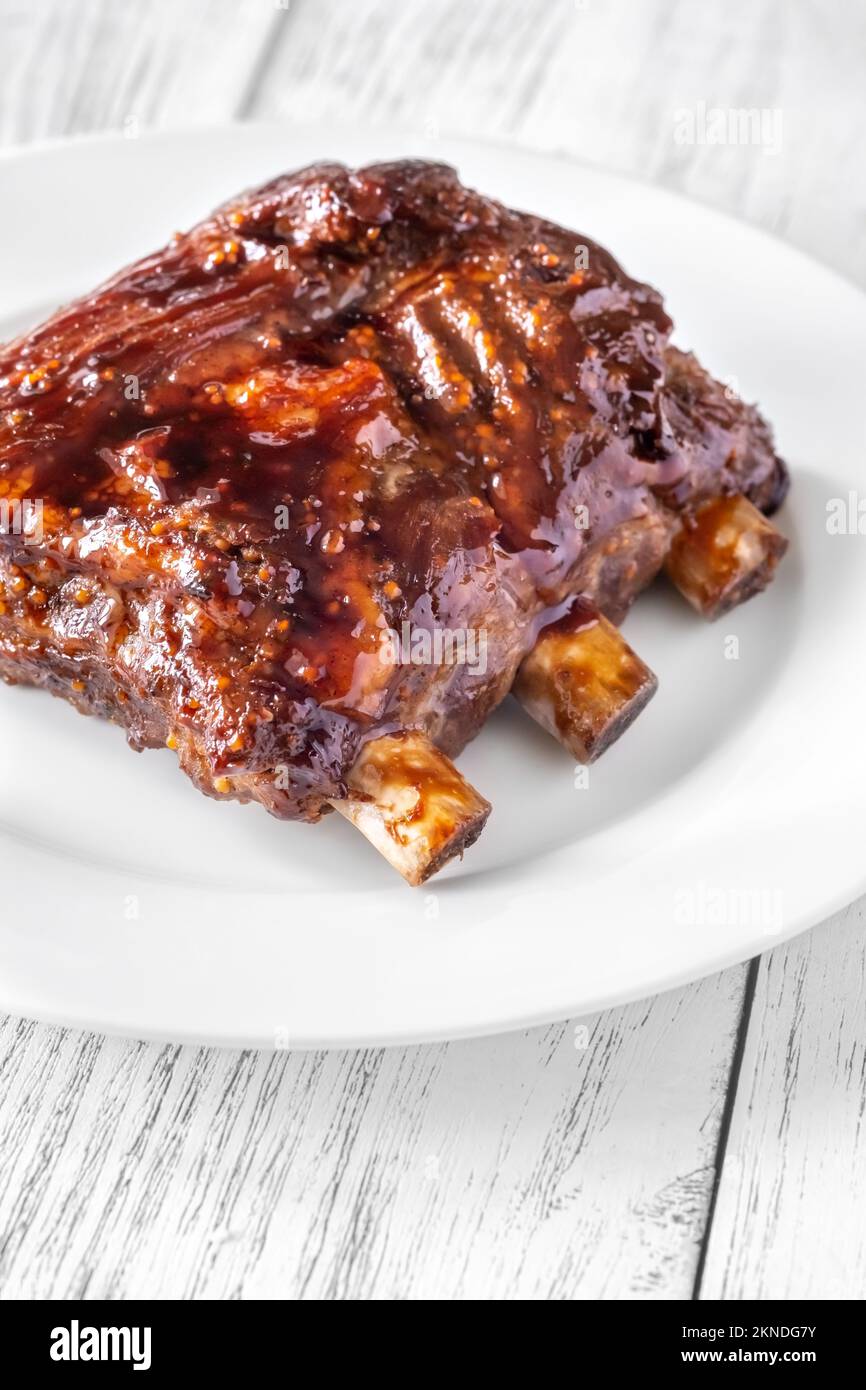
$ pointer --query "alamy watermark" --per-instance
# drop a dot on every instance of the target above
(86, 1343)
(702, 905)
(21, 516)
(438, 646)
(846, 516)
(729, 125)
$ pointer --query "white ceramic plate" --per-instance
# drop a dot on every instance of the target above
(729, 817)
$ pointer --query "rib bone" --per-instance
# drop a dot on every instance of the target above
(583, 683)
(412, 804)
(724, 554)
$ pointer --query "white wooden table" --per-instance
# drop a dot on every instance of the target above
(708, 1141)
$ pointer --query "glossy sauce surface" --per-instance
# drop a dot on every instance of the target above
(345, 401)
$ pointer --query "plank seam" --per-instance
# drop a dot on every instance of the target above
(727, 1117)
(270, 46)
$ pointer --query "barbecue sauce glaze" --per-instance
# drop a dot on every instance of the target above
(345, 401)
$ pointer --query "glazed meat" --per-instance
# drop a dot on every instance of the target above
(325, 478)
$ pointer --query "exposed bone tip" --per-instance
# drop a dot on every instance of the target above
(583, 683)
(410, 801)
(727, 552)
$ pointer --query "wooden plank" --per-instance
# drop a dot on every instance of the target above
(789, 1213)
(567, 1162)
(99, 66)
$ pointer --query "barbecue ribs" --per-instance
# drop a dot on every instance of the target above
(349, 406)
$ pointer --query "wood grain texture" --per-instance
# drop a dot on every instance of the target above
(71, 67)
(519, 1166)
(789, 1219)
(566, 1162)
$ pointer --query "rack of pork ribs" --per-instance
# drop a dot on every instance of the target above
(349, 401)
